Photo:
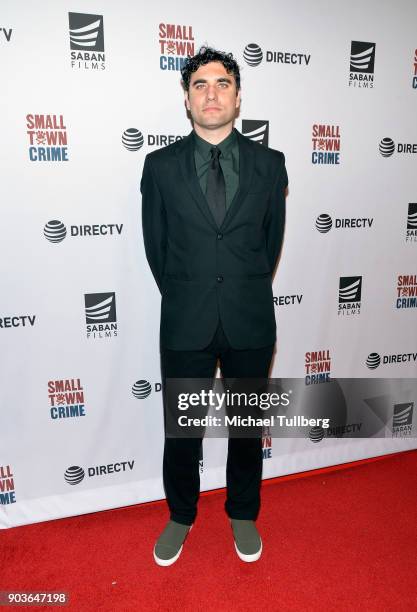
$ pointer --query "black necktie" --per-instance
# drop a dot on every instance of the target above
(216, 187)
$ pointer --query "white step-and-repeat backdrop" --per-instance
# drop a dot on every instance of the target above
(87, 89)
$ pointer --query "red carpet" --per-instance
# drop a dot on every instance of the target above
(342, 540)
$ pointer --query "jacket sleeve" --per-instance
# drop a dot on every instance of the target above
(275, 218)
(154, 223)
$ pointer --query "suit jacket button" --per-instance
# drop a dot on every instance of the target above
(219, 236)
(220, 279)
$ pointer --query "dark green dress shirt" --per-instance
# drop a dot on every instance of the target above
(229, 162)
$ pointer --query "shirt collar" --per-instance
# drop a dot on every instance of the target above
(225, 146)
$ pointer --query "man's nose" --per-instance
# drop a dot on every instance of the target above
(211, 92)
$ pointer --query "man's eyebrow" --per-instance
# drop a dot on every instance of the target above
(219, 80)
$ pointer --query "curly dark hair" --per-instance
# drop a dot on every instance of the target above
(203, 57)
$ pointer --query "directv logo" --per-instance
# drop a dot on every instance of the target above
(141, 389)
(387, 147)
(75, 474)
(373, 360)
(132, 139)
(55, 231)
(86, 41)
(253, 54)
(316, 434)
(256, 130)
(100, 315)
(324, 223)
(350, 290)
(362, 61)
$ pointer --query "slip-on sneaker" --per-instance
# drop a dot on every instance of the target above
(248, 543)
(169, 545)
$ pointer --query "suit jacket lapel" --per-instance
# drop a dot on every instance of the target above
(246, 168)
(185, 154)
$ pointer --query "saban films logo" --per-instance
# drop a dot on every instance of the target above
(86, 41)
(362, 61)
(411, 235)
(402, 420)
(256, 130)
(350, 291)
(100, 315)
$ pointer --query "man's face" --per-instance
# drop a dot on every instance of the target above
(212, 98)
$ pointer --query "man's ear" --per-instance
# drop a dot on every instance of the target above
(238, 100)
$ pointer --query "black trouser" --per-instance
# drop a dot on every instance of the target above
(181, 455)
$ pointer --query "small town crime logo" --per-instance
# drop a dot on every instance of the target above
(318, 366)
(176, 43)
(326, 144)
(66, 398)
(266, 443)
(406, 291)
(414, 82)
(48, 139)
(7, 486)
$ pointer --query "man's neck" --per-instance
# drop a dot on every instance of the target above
(213, 136)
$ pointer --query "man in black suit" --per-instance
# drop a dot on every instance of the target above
(213, 212)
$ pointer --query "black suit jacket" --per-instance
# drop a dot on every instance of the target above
(204, 271)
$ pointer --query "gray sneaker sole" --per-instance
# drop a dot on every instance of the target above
(249, 558)
(167, 562)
